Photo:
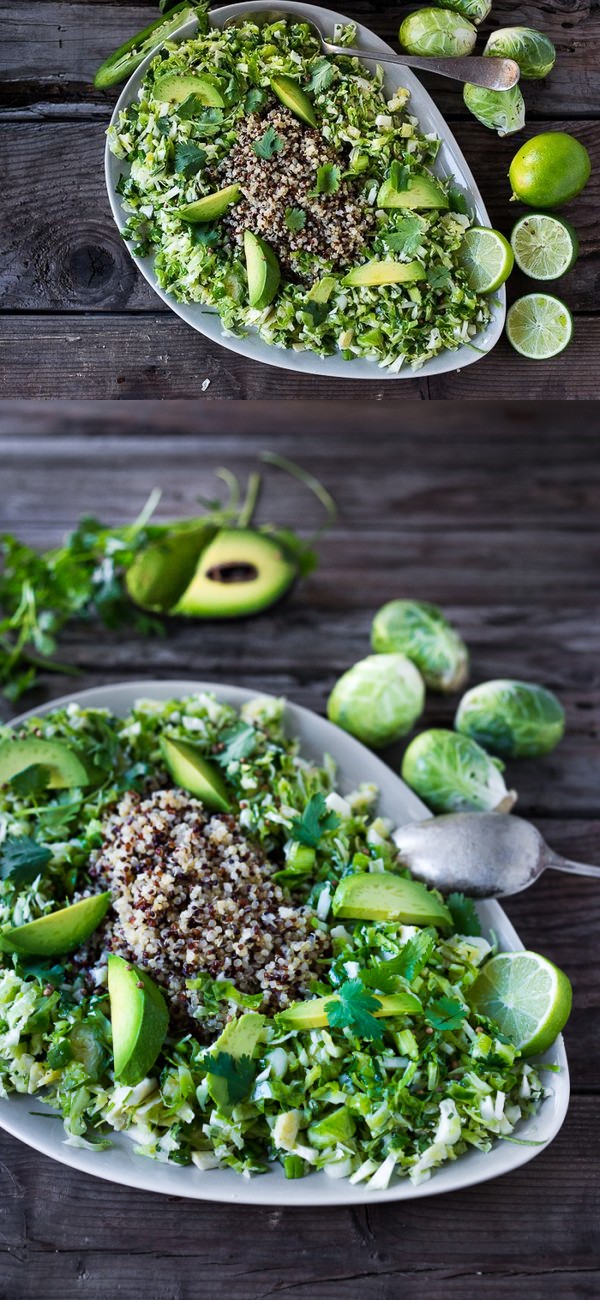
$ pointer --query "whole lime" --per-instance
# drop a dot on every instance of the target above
(549, 170)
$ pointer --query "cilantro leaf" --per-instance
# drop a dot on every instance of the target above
(409, 963)
(295, 218)
(438, 277)
(464, 914)
(399, 176)
(33, 780)
(189, 159)
(322, 76)
(255, 98)
(204, 235)
(22, 859)
(317, 311)
(352, 1009)
(445, 1013)
(240, 742)
(238, 1072)
(269, 144)
(315, 820)
(163, 125)
(407, 235)
(458, 201)
(328, 179)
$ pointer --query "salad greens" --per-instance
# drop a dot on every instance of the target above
(365, 1097)
(374, 138)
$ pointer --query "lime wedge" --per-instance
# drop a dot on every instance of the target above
(539, 326)
(528, 997)
(544, 246)
(487, 258)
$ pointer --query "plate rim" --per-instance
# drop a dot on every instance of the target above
(251, 345)
(267, 1189)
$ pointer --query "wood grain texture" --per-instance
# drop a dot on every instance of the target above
(72, 299)
(493, 511)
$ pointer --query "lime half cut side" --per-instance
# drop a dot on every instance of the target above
(539, 326)
(544, 246)
(527, 996)
(486, 257)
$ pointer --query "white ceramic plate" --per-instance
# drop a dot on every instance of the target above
(450, 161)
(119, 1164)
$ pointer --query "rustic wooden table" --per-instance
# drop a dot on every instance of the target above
(493, 513)
(79, 321)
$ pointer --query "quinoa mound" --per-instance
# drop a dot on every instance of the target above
(191, 895)
(336, 226)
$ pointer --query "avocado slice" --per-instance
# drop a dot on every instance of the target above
(64, 767)
(175, 90)
(159, 574)
(240, 572)
(312, 1014)
(338, 1126)
(422, 192)
(239, 1038)
(293, 97)
(139, 1018)
(263, 270)
(193, 772)
(57, 932)
(388, 272)
(383, 896)
(211, 206)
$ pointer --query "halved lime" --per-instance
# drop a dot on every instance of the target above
(487, 258)
(527, 996)
(539, 326)
(544, 246)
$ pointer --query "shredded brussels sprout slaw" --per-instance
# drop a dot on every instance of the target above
(172, 152)
(365, 1105)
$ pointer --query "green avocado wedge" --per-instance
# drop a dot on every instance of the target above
(192, 772)
(158, 575)
(139, 1018)
(371, 274)
(263, 271)
(57, 932)
(421, 192)
(383, 896)
(65, 768)
(241, 572)
(174, 89)
(211, 206)
(239, 1038)
(291, 95)
(119, 65)
(312, 1014)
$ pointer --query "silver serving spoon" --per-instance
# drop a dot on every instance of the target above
(485, 855)
(492, 73)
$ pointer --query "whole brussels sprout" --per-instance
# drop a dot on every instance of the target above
(437, 31)
(475, 10)
(501, 110)
(453, 773)
(534, 52)
(378, 699)
(512, 719)
(420, 631)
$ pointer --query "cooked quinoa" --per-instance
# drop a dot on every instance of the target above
(191, 895)
(336, 225)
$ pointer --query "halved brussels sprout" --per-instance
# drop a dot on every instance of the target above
(453, 773)
(378, 700)
(500, 110)
(512, 719)
(475, 10)
(534, 52)
(437, 31)
(422, 633)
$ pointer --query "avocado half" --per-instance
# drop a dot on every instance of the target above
(65, 769)
(240, 572)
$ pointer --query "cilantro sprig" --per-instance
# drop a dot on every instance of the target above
(408, 964)
(445, 1013)
(314, 822)
(268, 145)
(352, 1008)
(464, 914)
(238, 1073)
(22, 859)
(239, 742)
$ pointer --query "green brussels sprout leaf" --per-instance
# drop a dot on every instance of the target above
(500, 110)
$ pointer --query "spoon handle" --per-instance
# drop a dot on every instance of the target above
(492, 73)
(576, 868)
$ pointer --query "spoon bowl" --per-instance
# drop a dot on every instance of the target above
(484, 855)
(491, 73)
